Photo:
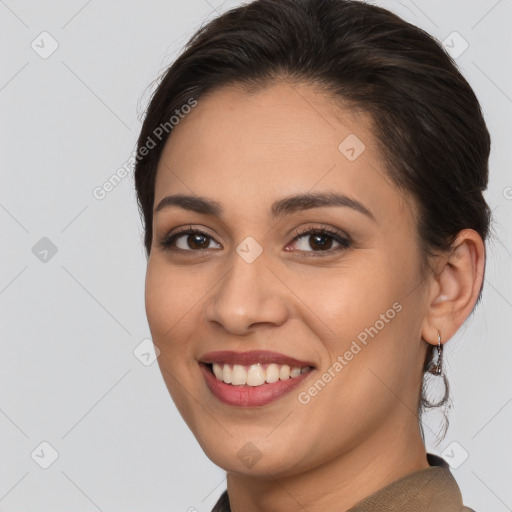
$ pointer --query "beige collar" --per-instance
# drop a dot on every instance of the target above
(425, 490)
(431, 489)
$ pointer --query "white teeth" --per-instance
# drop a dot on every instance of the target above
(227, 374)
(284, 372)
(272, 373)
(255, 374)
(217, 371)
(295, 372)
(239, 375)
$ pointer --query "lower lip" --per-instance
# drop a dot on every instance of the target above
(249, 396)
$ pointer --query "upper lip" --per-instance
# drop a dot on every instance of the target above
(252, 357)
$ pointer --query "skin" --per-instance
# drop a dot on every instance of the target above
(246, 150)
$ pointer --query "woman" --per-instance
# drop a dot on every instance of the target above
(315, 231)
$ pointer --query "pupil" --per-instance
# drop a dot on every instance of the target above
(195, 238)
(322, 245)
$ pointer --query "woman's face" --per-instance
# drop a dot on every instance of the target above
(347, 304)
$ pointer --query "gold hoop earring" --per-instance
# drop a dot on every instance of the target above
(436, 368)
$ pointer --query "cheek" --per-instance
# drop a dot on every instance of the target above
(349, 298)
(369, 318)
(377, 320)
(169, 299)
(170, 317)
(158, 301)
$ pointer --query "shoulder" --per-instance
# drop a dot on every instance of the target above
(436, 460)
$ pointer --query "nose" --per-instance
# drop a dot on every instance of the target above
(249, 296)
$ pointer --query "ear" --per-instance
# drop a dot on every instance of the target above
(454, 287)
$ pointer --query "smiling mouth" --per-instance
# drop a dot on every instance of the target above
(255, 374)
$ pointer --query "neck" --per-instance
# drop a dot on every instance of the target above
(338, 484)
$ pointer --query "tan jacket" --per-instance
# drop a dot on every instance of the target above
(432, 489)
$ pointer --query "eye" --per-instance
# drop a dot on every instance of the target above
(314, 240)
(317, 240)
(188, 240)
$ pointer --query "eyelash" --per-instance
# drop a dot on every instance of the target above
(345, 242)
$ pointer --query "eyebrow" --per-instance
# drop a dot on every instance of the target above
(279, 208)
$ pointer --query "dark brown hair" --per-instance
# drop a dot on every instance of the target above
(426, 117)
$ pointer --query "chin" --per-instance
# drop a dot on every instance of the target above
(257, 457)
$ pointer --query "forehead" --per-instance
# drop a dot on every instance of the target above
(279, 140)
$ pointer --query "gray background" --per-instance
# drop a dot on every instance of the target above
(71, 321)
